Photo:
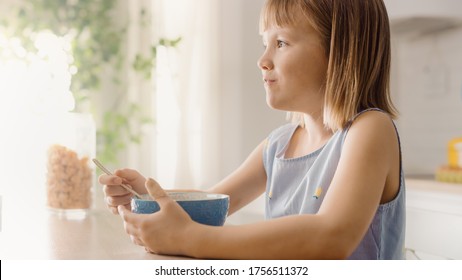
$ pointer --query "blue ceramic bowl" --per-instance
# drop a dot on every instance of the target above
(204, 208)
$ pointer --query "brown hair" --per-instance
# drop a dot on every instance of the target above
(356, 39)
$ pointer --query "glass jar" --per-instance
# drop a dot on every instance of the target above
(70, 174)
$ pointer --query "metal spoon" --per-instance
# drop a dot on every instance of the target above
(125, 186)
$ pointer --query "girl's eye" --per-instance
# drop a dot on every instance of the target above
(281, 44)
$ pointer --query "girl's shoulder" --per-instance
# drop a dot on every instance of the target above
(372, 128)
(373, 119)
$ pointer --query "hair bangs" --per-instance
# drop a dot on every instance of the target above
(280, 13)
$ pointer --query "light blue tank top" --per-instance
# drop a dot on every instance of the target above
(298, 186)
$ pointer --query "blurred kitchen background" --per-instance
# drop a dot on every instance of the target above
(181, 98)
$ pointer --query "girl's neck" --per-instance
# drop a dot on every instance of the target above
(309, 138)
(315, 129)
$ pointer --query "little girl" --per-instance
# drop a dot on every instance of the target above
(332, 178)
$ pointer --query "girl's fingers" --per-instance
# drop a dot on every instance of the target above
(131, 225)
(119, 200)
(113, 210)
(105, 179)
(128, 217)
(137, 241)
(127, 174)
(149, 250)
(110, 190)
(156, 192)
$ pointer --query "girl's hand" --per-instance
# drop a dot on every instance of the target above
(115, 194)
(161, 232)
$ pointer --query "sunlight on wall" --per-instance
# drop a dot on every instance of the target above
(34, 86)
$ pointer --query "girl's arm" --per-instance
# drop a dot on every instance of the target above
(369, 162)
(370, 154)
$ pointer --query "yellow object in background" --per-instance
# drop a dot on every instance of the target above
(455, 153)
(449, 174)
(452, 173)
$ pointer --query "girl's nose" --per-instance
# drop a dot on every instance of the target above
(264, 63)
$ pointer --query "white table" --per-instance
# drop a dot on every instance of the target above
(45, 235)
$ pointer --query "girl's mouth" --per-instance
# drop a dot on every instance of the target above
(269, 81)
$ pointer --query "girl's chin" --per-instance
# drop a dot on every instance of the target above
(275, 104)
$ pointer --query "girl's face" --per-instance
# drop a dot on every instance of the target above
(294, 67)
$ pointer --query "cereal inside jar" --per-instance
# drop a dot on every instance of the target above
(69, 179)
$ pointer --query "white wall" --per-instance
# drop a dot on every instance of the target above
(427, 79)
(246, 118)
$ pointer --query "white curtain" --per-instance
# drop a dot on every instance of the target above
(187, 94)
(140, 37)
